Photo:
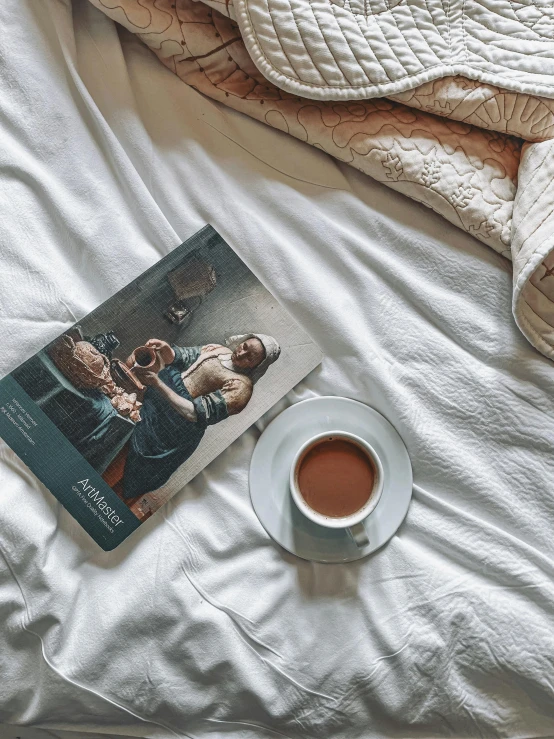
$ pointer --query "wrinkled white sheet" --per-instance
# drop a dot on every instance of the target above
(198, 626)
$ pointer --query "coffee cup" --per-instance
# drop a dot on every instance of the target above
(336, 481)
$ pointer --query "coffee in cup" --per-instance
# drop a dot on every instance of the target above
(336, 481)
(336, 477)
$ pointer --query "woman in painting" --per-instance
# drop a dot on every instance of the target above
(196, 388)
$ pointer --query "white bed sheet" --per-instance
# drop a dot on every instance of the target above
(198, 626)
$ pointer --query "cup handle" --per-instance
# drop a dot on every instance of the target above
(359, 534)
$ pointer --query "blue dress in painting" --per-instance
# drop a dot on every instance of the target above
(163, 440)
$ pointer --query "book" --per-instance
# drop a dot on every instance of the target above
(125, 407)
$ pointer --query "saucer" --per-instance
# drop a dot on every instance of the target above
(269, 478)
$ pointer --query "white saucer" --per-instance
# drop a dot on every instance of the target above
(269, 478)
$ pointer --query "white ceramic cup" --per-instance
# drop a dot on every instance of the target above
(353, 523)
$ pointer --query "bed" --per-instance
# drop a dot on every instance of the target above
(198, 625)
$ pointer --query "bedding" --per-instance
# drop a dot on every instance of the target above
(529, 117)
(199, 626)
(468, 175)
(356, 49)
(521, 114)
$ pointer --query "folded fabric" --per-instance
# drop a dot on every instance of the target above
(356, 49)
(486, 106)
(467, 174)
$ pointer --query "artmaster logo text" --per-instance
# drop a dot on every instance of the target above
(95, 502)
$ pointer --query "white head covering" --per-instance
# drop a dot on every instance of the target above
(272, 352)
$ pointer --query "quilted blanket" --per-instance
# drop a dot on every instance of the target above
(478, 154)
(355, 49)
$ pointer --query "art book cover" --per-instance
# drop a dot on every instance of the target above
(124, 408)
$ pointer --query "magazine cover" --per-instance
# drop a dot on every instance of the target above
(124, 408)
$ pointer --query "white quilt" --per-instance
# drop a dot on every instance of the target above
(490, 184)
(358, 49)
(198, 626)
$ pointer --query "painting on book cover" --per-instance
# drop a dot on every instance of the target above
(159, 379)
